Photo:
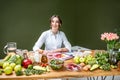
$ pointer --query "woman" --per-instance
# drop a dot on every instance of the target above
(54, 39)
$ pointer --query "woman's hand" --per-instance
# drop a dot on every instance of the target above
(53, 51)
(60, 50)
(40, 51)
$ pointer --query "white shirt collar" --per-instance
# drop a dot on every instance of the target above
(53, 33)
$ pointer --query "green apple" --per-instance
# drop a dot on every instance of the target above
(5, 64)
(18, 56)
(19, 61)
(17, 68)
(76, 59)
(82, 59)
(88, 58)
(8, 70)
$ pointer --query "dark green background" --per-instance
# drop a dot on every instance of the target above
(23, 21)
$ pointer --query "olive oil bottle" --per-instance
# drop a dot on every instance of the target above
(44, 58)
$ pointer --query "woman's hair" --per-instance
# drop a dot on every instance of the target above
(60, 21)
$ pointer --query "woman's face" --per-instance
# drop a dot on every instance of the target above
(55, 24)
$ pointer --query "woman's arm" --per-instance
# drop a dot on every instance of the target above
(66, 43)
(39, 42)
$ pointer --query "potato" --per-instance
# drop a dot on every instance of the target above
(85, 68)
(82, 64)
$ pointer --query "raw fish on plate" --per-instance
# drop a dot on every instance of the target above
(61, 56)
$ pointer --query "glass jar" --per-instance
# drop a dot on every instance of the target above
(113, 57)
(110, 47)
(37, 57)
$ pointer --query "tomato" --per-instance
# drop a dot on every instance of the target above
(43, 64)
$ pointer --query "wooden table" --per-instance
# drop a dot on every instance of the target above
(62, 74)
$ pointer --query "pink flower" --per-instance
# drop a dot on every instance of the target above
(109, 36)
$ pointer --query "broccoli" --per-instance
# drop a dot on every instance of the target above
(19, 73)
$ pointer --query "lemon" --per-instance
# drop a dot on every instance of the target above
(17, 68)
(8, 70)
(5, 64)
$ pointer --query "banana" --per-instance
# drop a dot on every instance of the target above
(7, 57)
(11, 53)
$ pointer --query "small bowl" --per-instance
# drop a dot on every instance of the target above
(56, 64)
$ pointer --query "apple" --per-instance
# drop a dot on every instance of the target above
(76, 59)
(82, 59)
(18, 56)
(17, 68)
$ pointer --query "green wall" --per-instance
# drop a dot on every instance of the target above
(23, 21)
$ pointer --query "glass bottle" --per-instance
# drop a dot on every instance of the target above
(44, 58)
